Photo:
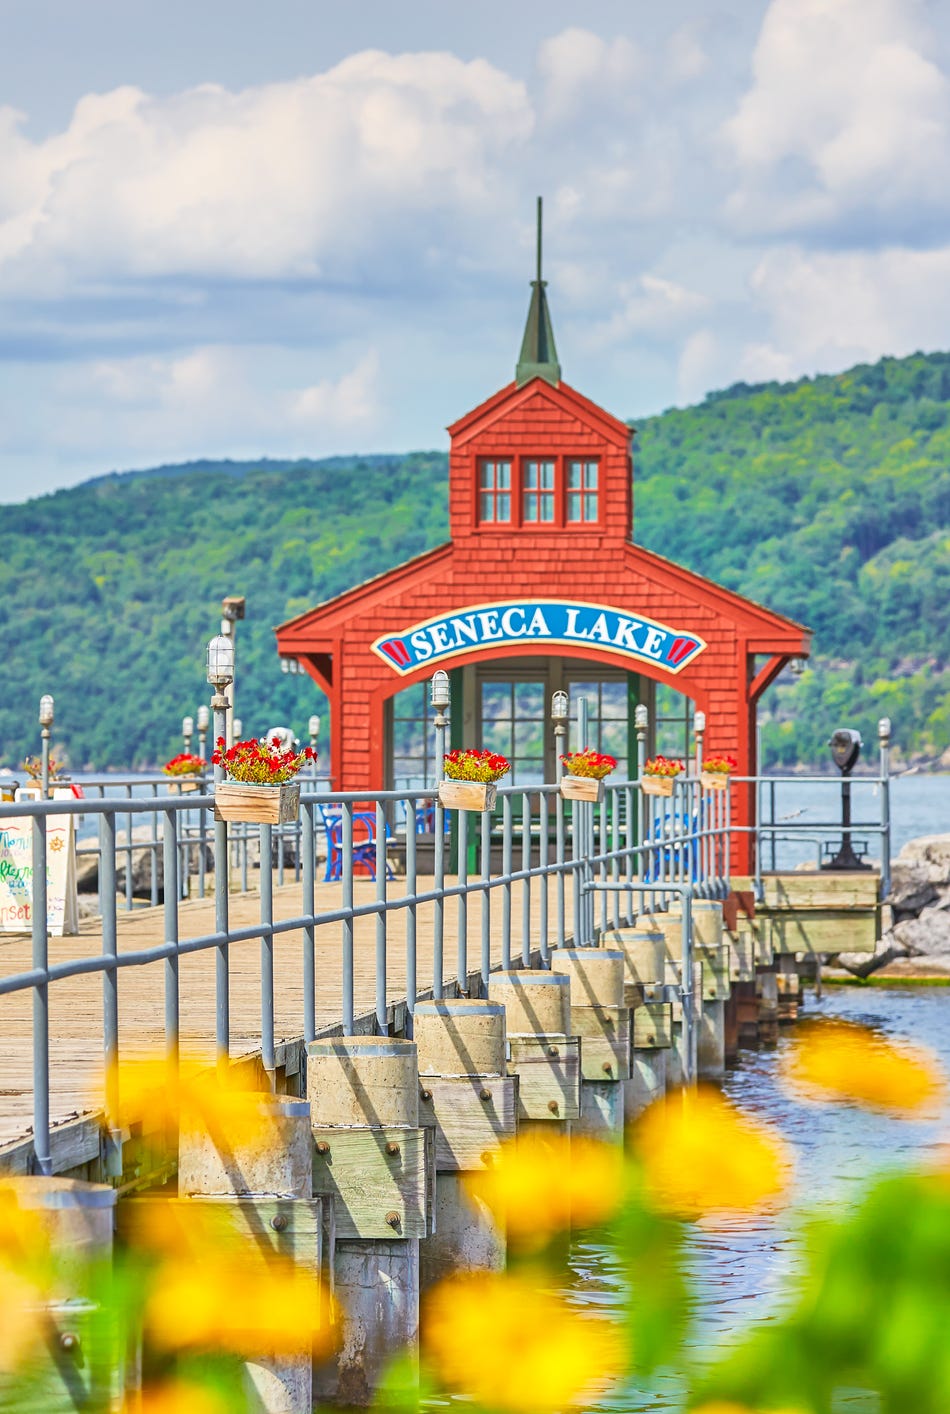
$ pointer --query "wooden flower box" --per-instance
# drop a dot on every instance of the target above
(468, 795)
(657, 785)
(581, 788)
(186, 785)
(714, 780)
(257, 805)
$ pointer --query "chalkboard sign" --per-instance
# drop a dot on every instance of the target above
(16, 875)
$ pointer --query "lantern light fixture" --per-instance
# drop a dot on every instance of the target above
(204, 718)
(237, 726)
(46, 710)
(440, 689)
(641, 717)
(313, 726)
(220, 660)
(188, 727)
(699, 723)
(560, 707)
(884, 730)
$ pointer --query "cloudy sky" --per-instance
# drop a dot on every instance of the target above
(237, 229)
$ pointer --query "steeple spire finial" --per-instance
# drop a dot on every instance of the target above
(538, 357)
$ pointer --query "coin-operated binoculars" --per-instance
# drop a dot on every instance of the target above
(845, 749)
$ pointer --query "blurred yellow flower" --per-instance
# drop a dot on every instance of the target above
(238, 1303)
(179, 1397)
(840, 1061)
(510, 1346)
(181, 1229)
(191, 1096)
(24, 1236)
(726, 1406)
(702, 1156)
(21, 1318)
(540, 1186)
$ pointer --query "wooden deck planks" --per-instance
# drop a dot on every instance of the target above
(76, 1003)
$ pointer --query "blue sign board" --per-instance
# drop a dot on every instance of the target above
(566, 623)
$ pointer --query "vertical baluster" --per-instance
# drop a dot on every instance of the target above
(308, 846)
(412, 983)
(461, 968)
(346, 875)
(382, 921)
(543, 847)
(506, 868)
(486, 900)
(267, 951)
(40, 949)
(170, 818)
(110, 990)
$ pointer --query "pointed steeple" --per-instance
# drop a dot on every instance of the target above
(538, 357)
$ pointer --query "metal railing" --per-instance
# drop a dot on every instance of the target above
(535, 851)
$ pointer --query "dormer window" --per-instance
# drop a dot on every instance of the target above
(494, 492)
(538, 499)
(541, 492)
(582, 502)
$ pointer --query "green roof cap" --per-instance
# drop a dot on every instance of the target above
(538, 358)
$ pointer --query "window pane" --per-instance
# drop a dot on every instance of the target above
(529, 739)
(574, 506)
(529, 699)
(503, 507)
(496, 736)
(531, 475)
(547, 476)
(503, 477)
(547, 508)
(613, 700)
(496, 699)
(487, 507)
(590, 507)
(573, 475)
(531, 506)
(487, 479)
(591, 476)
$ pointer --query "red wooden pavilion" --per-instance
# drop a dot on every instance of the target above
(540, 587)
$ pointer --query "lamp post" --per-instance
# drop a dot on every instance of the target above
(46, 723)
(220, 663)
(560, 711)
(699, 730)
(441, 694)
(232, 610)
(187, 731)
(204, 721)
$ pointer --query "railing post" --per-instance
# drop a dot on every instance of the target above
(110, 990)
(268, 1059)
(346, 876)
(40, 941)
(308, 862)
(884, 738)
(382, 1017)
(486, 901)
(461, 965)
(170, 911)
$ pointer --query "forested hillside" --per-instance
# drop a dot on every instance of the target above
(827, 499)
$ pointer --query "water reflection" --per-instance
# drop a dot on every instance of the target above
(740, 1270)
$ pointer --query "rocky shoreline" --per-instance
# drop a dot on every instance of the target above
(916, 935)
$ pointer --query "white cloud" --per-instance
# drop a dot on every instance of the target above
(212, 397)
(285, 180)
(697, 364)
(829, 309)
(649, 305)
(847, 119)
(580, 70)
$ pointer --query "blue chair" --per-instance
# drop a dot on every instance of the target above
(684, 852)
(364, 841)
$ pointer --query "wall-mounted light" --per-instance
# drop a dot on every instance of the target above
(290, 665)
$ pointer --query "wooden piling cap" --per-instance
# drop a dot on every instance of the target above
(530, 976)
(344, 1046)
(459, 1006)
(40, 1192)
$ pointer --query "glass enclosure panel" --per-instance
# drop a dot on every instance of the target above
(413, 748)
(673, 723)
(513, 722)
(606, 719)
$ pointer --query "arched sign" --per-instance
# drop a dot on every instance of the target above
(565, 623)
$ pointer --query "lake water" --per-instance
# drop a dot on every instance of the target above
(739, 1270)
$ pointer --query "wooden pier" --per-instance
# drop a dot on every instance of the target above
(76, 1004)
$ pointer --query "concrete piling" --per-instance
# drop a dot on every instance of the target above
(80, 1365)
(541, 1052)
(470, 1102)
(602, 1021)
(270, 1154)
(374, 1159)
